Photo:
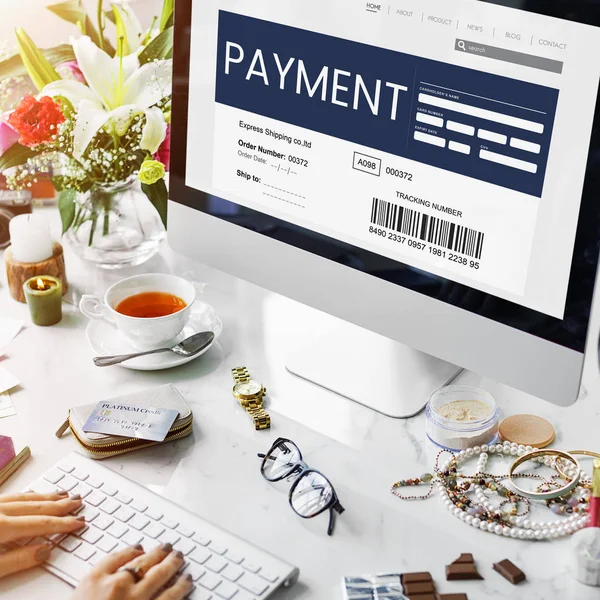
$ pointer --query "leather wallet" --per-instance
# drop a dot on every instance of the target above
(100, 445)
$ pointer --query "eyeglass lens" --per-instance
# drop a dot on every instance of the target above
(311, 495)
(281, 461)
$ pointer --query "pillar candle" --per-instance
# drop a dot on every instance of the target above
(30, 238)
(44, 298)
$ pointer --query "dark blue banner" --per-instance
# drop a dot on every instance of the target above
(484, 126)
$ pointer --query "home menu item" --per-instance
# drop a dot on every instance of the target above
(112, 417)
(450, 136)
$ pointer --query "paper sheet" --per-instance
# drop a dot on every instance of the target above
(7, 380)
(7, 408)
(9, 328)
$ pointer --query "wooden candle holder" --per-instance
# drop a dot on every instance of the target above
(18, 273)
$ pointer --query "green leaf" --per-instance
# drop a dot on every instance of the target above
(66, 206)
(14, 67)
(38, 68)
(73, 12)
(166, 17)
(158, 195)
(16, 156)
(160, 48)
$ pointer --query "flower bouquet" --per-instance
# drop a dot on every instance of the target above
(98, 124)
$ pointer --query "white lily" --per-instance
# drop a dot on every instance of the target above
(119, 90)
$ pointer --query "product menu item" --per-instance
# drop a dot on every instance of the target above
(451, 136)
(127, 420)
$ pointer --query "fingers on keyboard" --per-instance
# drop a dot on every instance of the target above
(37, 525)
(179, 590)
(113, 562)
(57, 508)
(161, 573)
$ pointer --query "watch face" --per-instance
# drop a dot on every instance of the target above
(249, 388)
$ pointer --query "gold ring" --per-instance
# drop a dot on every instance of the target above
(135, 572)
(569, 487)
(578, 452)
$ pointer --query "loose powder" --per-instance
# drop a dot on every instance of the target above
(464, 410)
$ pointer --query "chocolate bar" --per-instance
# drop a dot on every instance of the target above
(453, 597)
(464, 558)
(416, 577)
(462, 572)
(509, 571)
(421, 587)
(423, 597)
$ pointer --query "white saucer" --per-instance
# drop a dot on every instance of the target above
(105, 340)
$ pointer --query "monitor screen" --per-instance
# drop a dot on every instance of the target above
(447, 146)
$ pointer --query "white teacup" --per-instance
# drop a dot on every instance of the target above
(143, 333)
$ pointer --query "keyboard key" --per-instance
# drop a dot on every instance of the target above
(109, 490)
(77, 510)
(95, 498)
(117, 530)
(89, 512)
(154, 513)
(249, 566)
(170, 523)
(132, 537)
(67, 483)
(252, 584)
(96, 557)
(123, 498)
(217, 548)
(215, 564)
(66, 466)
(82, 489)
(80, 474)
(92, 535)
(195, 571)
(54, 476)
(80, 532)
(67, 562)
(95, 482)
(209, 581)
(226, 590)
(138, 522)
(153, 530)
(106, 543)
(199, 539)
(85, 551)
(42, 486)
(109, 506)
(57, 537)
(185, 531)
(149, 544)
(268, 576)
(124, 514)
(103, 521)
(169, 537)
(70, 543)
(139, 505)
(234, 557)
(185, 546)
(200, 555)
(200, 594)
(232, 572)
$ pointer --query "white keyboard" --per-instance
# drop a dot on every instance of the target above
(120, 513)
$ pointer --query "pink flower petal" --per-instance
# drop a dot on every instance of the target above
(8, 137)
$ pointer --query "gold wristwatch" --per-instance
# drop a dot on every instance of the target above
(249, 394)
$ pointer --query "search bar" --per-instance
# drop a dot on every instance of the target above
(510, 56)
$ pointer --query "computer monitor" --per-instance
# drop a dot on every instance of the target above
(426, 170)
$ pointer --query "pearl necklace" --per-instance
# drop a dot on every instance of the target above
(512, 525)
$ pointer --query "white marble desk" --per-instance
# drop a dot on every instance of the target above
(216, 473)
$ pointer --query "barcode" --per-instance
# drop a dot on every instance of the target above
(433, 230)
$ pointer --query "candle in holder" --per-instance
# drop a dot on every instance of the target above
(30, 238)
(44, 298)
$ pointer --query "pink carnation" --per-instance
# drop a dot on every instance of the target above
(164, 152)
(8, 137)
(73, 68)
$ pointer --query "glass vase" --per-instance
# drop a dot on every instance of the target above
(116, 226)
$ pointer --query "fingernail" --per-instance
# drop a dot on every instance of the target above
(80, 518)
(75, 496)
(179, 554)
(43, 554)
(138, 547)
(166, 547)
(63, 493)
(189, 577)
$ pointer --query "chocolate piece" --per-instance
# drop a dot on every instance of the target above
(453, 597)
(464, 558)
(462, 572)
(416, 577)
(509, 571)
(423, 597)
(422, 587)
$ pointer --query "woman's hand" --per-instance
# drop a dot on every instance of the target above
(154, 576)
(24, 516)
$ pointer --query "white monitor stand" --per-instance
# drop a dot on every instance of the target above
(384, 375)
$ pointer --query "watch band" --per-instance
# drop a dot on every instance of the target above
(254, 406)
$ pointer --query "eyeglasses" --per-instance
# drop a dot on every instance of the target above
(311, 493)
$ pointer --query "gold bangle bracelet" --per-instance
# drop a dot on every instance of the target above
(579, 453)
(569, 487)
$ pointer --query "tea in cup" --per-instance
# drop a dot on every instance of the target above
(150, 310)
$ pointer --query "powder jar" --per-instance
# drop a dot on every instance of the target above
(476, 422)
